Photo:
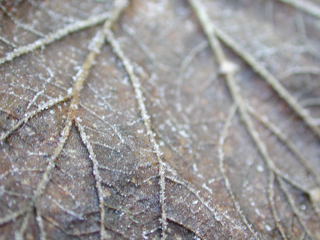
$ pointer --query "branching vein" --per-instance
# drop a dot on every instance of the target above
(146, 118)
(30, 115)
(96, 174)
(284, 139)
(256, 66)
(270, 79)
(52, 37)
(229, 69)
(19, 24)
(227, 183)
(81, 77)
(305, 6)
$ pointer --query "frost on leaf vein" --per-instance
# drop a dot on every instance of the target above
(229, 70)
(162, 174)
(81, 77)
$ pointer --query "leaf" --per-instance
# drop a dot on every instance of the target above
(188, 119)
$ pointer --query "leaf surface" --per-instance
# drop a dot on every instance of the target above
(187, 119)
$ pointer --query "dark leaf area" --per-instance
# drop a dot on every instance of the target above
(187, 119)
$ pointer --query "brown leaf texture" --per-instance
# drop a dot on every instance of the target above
(186, 119)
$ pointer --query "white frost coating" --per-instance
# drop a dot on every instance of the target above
(212, 180)
(92, 156)
(268, 227)
(89, 61)
(29, 115)
(260, 168)
(212, 33)
(184, 134)
(222, 139)
(228, 67)
(50, 73)
(283, 138)
(194, 167)
(146, 118)
(216, 214)
(154, 9)
(257, 211)
(34, 99)
(50, 38)
(200, 176)
(204, 185)
(315, 195)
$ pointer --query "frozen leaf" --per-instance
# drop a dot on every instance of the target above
(187, 119)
